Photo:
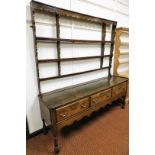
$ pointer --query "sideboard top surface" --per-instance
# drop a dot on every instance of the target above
(65, 95)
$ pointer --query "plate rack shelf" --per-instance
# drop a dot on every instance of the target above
(63, 107)
(37, 7)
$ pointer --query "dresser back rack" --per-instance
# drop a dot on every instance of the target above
(64, 106)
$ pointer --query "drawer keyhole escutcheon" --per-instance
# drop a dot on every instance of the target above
(64, 114)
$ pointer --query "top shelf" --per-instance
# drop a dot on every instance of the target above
(68, 41)
(45, 8)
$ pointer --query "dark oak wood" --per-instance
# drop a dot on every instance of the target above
(71, 109)
(35, 49)
(64, 106)
(71, 59)
(102, 44)
(112, 47)
(101, 97)
(66, 95)
(27, 130)
(72, 74)
(58, 42)
(70, 104)
(35, 6)
(45, 130)
(70, 41)
(45, 8)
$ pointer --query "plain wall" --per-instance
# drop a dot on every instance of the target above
(111, 9)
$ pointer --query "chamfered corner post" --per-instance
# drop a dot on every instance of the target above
(125, 98)
(55, 138)
(127, 94)
(54, 131)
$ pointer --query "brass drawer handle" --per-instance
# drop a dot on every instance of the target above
(63, 115)
(94, 101)
(83, 106)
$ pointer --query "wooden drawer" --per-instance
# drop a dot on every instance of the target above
(119, 90)
(72, 108)
(101, 97)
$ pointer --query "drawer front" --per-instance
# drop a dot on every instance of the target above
(72, 109)
(101, 97)
(119, 90)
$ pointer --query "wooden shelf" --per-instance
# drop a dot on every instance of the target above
(125, 32)
(124, 53)
(58, 13)
(72, 74)
(118, 43)
(123, 62)
(71, 59)
(55, 103)
(48, 9)
(124, 29)
(68, 41)
(124, 44)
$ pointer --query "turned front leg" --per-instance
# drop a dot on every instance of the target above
(55, 138)
(127, 94)
(123, 102)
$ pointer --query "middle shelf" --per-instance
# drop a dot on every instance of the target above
(71, 59)
(68, 41)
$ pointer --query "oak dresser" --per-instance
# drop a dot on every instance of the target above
(62, 107)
